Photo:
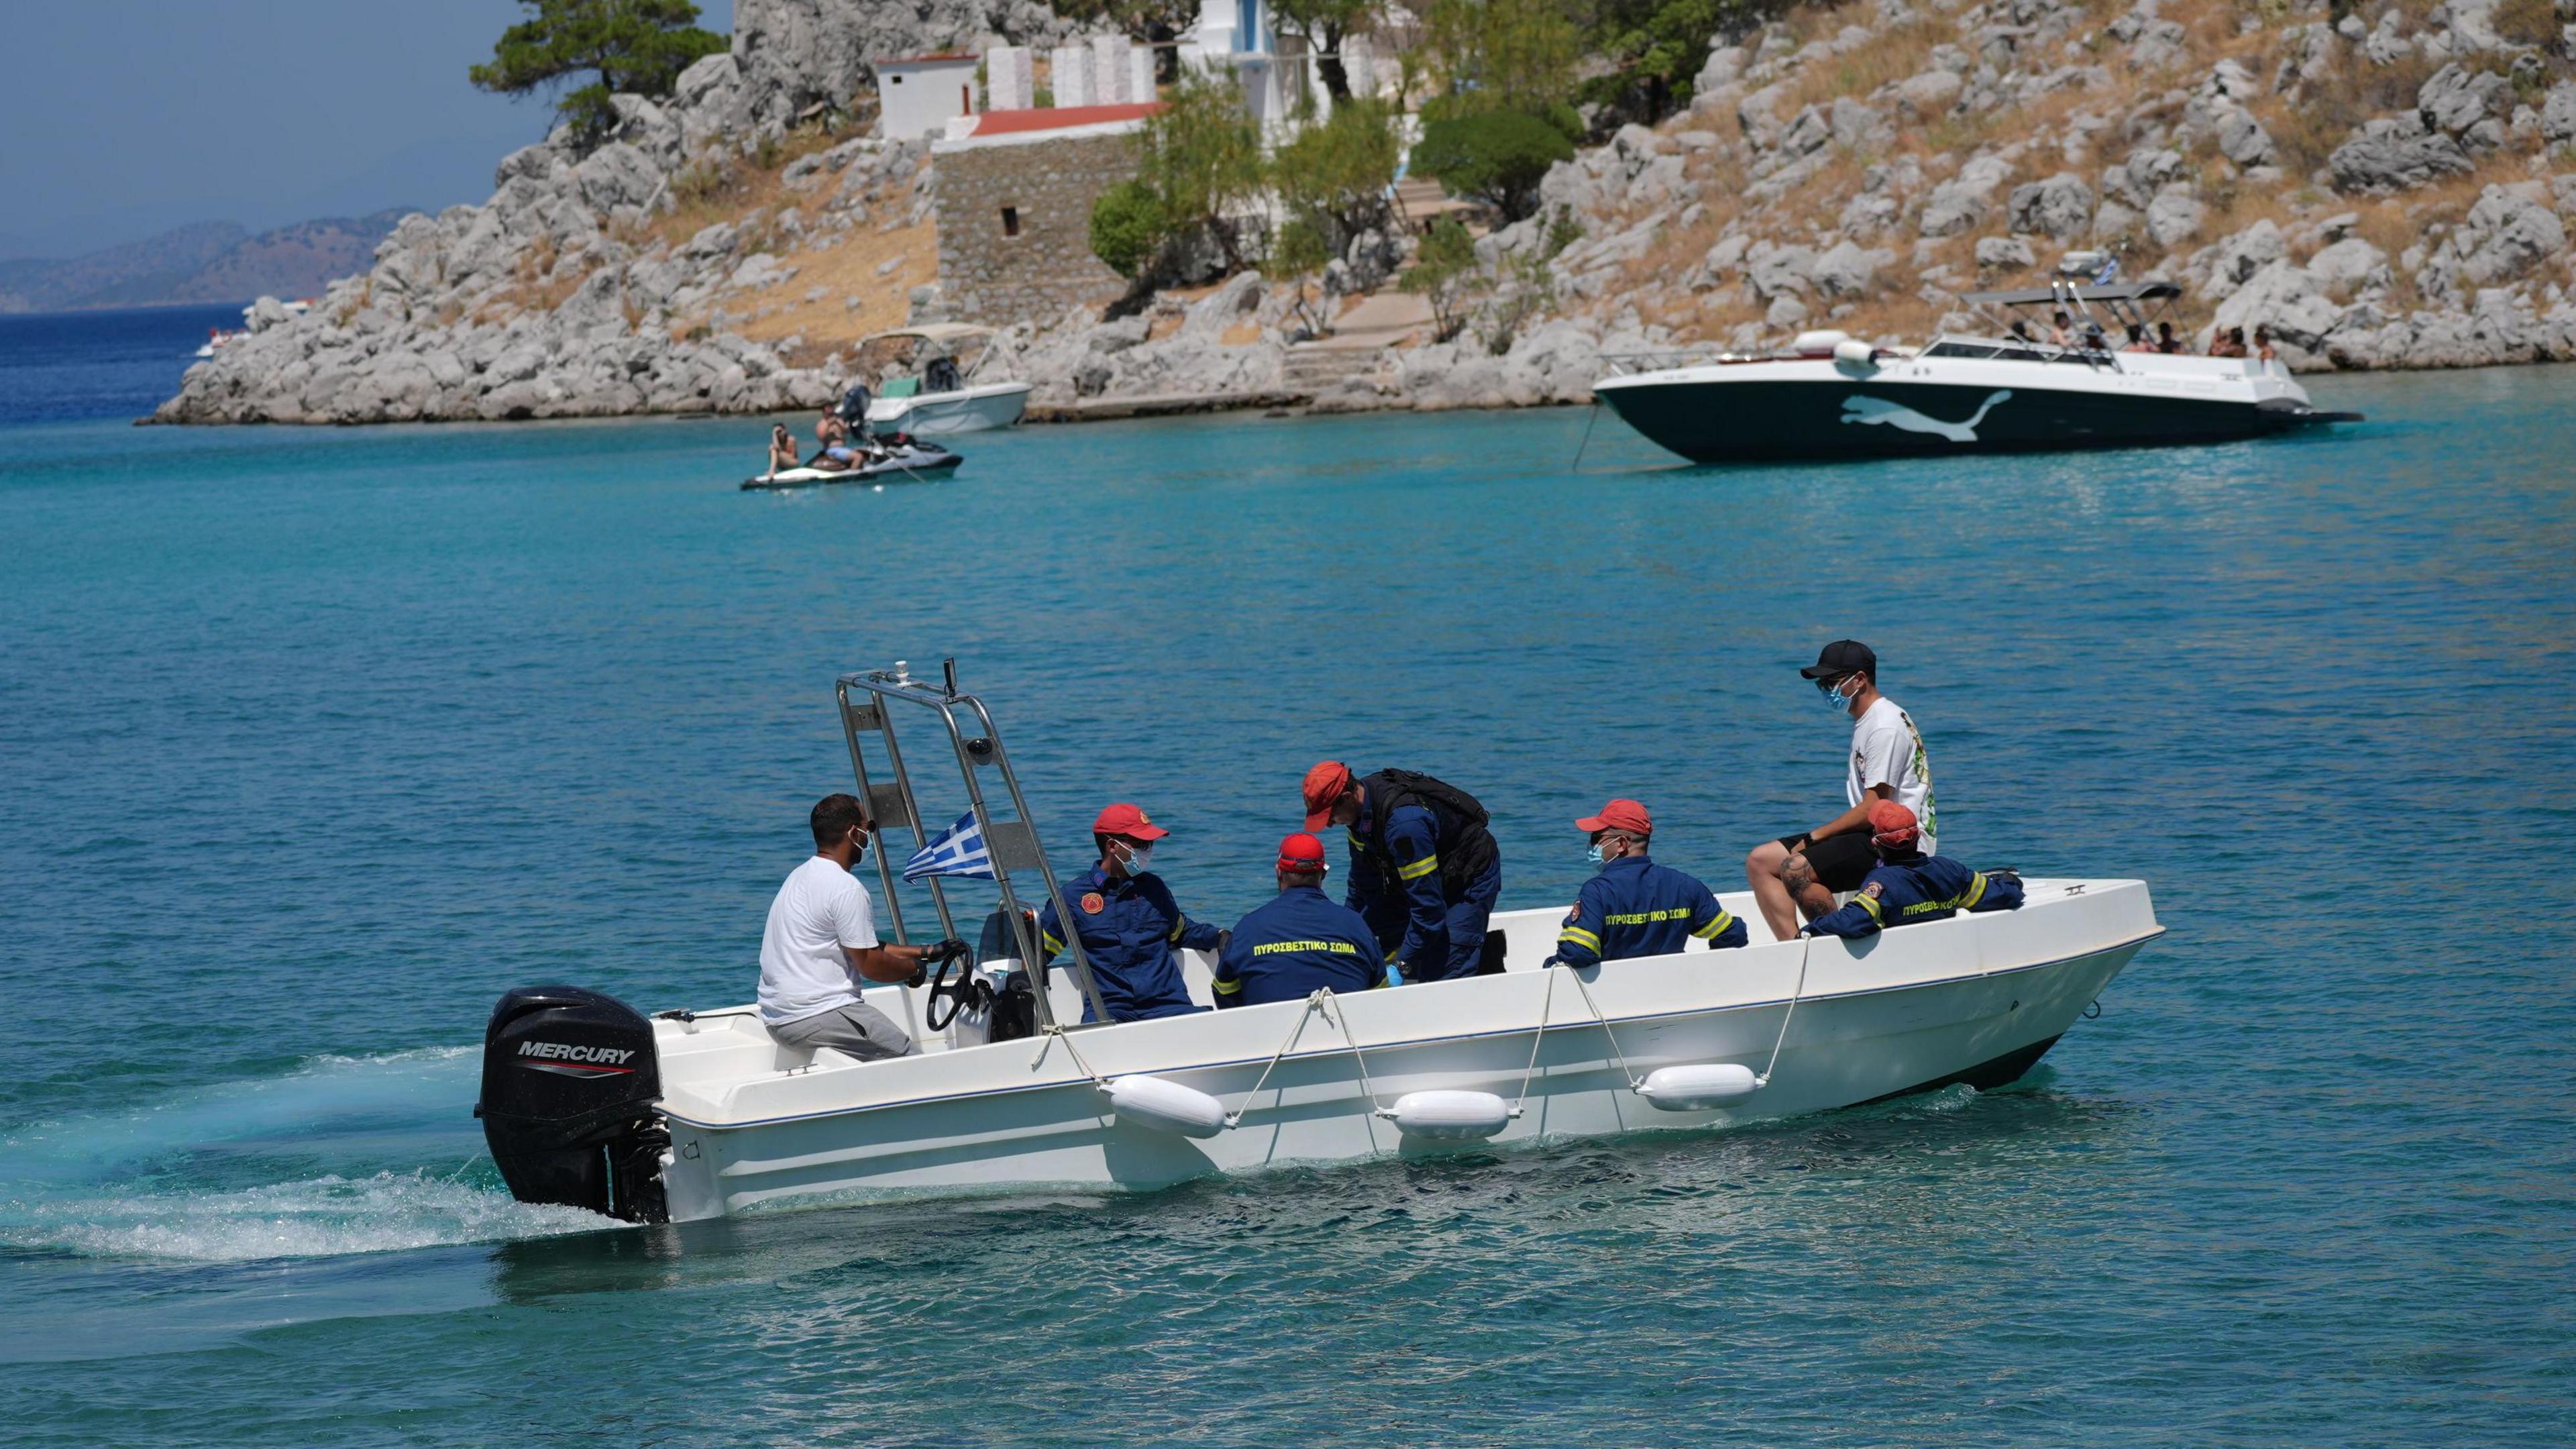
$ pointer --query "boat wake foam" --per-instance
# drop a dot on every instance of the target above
(327, 1216)
(339, 1155)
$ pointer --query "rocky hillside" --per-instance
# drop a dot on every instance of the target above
(2386, 187)
(2383, 188)
(694, 262)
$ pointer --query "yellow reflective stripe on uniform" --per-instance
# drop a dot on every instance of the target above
(1047, 939)
(1178, 927)
(1578, 936)
(1228, 988)
(1356, 842)
(1976, 889)
(1870, 904)
(1716, 926)
(1420, 868)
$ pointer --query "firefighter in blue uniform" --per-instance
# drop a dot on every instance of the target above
(1908, 887)
(1635, 907)
(1128, 923)
(1299, 941)
(1424, 869)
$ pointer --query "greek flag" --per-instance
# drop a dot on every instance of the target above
(958, 850)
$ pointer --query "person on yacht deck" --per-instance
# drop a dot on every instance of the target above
(820, 947)
(1128, 923)
(1799, 873)
(1634, 907)
(1908, 888)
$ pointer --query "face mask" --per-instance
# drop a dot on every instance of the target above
(1838, 700)
(1595, 856)
(1139, 858)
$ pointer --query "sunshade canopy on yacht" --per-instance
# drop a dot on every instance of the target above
(2129, 292)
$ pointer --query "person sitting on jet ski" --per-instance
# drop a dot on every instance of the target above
(782, 449)
(1908, 887)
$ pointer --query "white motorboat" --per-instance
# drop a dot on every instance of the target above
(943, 399)
(699, 1115)
(1834, 396)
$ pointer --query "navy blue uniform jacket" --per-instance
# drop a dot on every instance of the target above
(1911, 891)
(1128, 929)
(1299, 942)
(1635, 907)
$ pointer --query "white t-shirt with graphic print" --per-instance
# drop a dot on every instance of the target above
(1888, 750)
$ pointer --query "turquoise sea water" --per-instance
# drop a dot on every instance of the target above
(312, 742)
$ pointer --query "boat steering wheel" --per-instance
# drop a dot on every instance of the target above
(959, 995)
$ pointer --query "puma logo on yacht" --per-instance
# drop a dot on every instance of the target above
(1873, 411)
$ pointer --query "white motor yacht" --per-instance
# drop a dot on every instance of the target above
(1834, 396)
(692, 1115)
(943, 398)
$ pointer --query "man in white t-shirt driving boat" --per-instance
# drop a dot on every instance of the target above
(1798, 874)
(820, 947)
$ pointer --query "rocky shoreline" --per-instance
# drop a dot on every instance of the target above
(690, 263)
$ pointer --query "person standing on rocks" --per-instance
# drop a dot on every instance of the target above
(1800, 873)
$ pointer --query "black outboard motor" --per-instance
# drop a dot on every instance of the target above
(853, 407)
(569, 1081)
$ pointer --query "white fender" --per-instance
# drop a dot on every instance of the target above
(1855, 357)
(1449, 1116)
(1819, 343)
(1699, 1086)
(1166, 1106)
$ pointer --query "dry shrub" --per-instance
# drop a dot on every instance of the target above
(2326, 117)
(2526, 22)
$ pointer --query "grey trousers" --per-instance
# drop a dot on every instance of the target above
(858, 1029)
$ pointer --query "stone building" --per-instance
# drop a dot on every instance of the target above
(1014, 192)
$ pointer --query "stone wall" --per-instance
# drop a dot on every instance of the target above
(1046, 185)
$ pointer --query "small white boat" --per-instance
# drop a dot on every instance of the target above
(700, 1115)
(943, 399)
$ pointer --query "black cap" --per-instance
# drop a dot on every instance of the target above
(1841, 657)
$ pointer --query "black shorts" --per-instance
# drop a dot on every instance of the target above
(1841, 862)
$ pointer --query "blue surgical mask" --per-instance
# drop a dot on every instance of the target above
(1594, 855)
(1838, 700)
(1140, 858)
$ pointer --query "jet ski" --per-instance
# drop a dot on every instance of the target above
(908, 461)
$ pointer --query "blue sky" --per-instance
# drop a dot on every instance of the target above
(123, 118)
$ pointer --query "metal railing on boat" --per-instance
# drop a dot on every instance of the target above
(1011, 843)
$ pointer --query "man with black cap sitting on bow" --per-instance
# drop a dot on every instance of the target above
(1799, 874)
(1907, 887)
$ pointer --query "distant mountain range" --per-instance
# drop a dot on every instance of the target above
(211, 261)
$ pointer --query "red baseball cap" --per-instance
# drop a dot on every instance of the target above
(1125, 819)
(1619, 815)
(1302, 852)
(1325, 786)
(1892, 825)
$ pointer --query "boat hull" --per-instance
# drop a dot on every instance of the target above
(1824, 415)
(1028, 1113)
(969, 410)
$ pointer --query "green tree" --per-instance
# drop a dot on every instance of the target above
(1444, 274)
(1298, 253)
(636, 46)
(1498, 157)
(1201, 155)
(1658, 47)
(1334, 177)
(1127, 227)
(1324, 25)
(1501, 55)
